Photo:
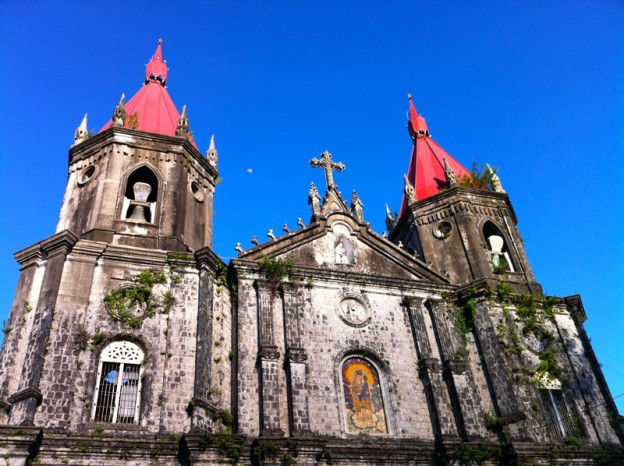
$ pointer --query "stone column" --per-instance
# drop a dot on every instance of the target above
(431, 371)
(296, 358)
(28, 396)
(268, 358)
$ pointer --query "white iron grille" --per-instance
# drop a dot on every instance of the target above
(117, 393)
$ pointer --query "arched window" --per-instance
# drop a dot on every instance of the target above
(118, 387)
(560, 421)
(140, 196)
(497, 248)
(364, 404)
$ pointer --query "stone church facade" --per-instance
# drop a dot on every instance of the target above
(131, 342)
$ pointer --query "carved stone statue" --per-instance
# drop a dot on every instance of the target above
(314, 199)
(496, 182)
(449, 173)
(356, 207)
(120, 114)
(408, 190)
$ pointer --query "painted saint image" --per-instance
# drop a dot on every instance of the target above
(363, 400)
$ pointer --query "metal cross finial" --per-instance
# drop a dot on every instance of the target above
(327, 164)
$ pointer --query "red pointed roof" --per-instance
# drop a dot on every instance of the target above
(426, 167)
(156, 112)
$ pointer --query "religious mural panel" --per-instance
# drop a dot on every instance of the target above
(363, 401)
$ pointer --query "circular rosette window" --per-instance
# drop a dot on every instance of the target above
(86, 174)
(198, 191)
(442, 230)
(355, 311)
(129, 304)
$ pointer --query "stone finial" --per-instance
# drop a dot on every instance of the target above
(285, 228)
(408, 190)
(390, 220)
(239, 248)
(212, 155)
(356, 207)
(300, 222)
(385, 235)
(451, 179)
(496, 182)
(183, 124)
(270, 234)
(254, 240)
(314, 199)
(400, 244)
(81, 134)
(120, 114)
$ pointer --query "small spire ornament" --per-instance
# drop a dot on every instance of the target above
(451, 179)
(497, 186)
(212, 155)
(81, 134)
(120, 114)
(390, 220)
(357, 207)
(408, 190)
(183, 124)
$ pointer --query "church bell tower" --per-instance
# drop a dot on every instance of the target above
(461, 225)
(113, 312)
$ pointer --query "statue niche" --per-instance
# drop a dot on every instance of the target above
(344, 251)
(140, 196)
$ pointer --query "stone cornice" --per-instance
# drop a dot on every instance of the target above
(26, 394)
(459, 199)
(60, 243)
(137, 139)
(347, 277)
(135, 255)
(206, 257)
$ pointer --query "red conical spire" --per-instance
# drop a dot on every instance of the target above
(426, 169)
(415, 124)
(151, 109)
(156, 68)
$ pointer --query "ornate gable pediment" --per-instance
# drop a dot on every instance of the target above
(338, 242)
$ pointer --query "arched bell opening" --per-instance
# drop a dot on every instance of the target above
(140, 196)
(497, 248)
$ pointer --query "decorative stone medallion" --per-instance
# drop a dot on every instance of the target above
(353, 308)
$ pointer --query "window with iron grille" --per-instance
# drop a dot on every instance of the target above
(560, 421)
(118, 388)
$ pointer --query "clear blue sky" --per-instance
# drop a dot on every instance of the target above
(534, 88)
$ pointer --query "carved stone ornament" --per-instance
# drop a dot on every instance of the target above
(120, 114)
(353, 308)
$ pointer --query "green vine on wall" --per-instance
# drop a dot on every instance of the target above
(132, 304)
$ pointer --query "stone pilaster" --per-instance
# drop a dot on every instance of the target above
(296, 358)
(268, 358)
(497, 371)
(457, 373)
(270, 420)
(24, 402)
(431, 371)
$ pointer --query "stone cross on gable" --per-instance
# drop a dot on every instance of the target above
(327, 164)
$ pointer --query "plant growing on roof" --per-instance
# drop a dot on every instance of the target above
(275, 270)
